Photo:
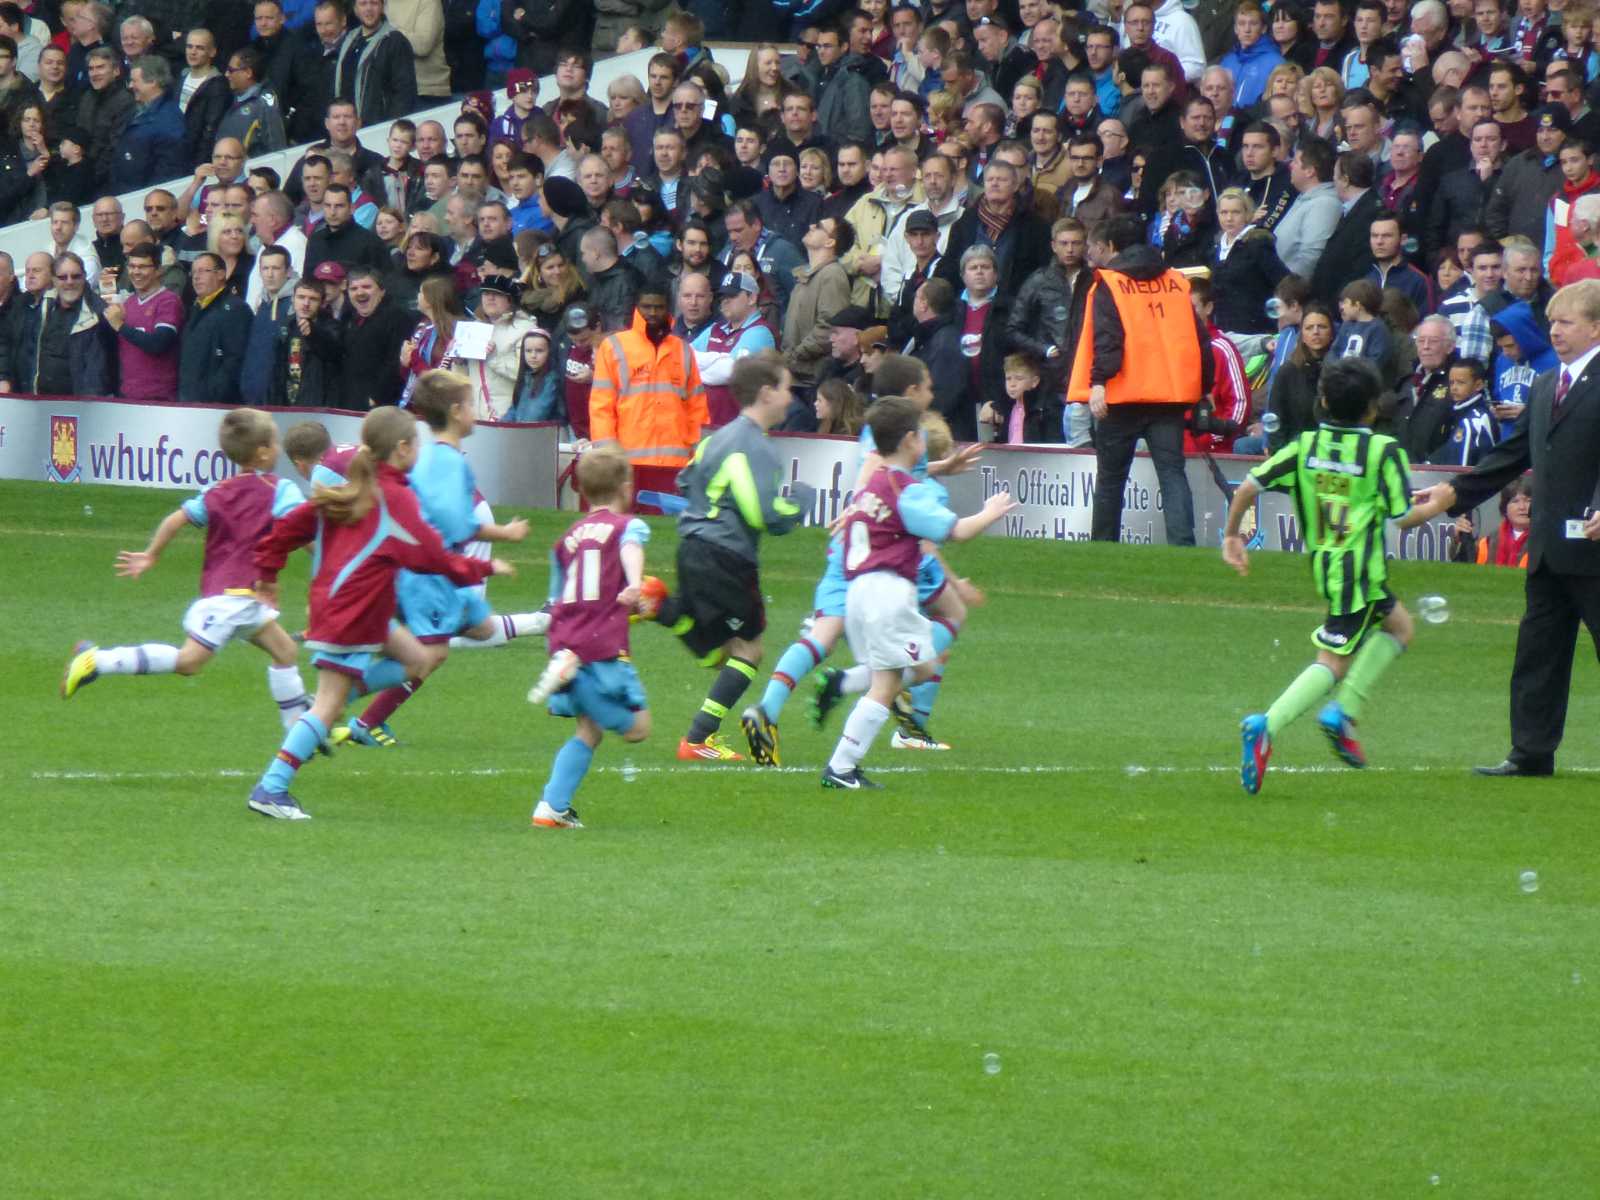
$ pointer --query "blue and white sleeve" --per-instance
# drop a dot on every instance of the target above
(327, 477)
(636, 533)
(195, 509)
(924, 515)
(558, 580)
(287, 498)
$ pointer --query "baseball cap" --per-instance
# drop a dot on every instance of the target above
(736, 282)
(578, 319)
(922, 220)
(329, 272)
(853, 317)
(1552, 116)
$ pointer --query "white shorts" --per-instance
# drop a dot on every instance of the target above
(886, 629)
(214, 621)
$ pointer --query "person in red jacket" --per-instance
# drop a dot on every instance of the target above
(1230, 393)
(365, 531)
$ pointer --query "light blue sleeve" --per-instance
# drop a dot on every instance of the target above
(704, 340)
(558, 579)
(444, 486)
(195, 509)
(322, 476)
(757, 337)
(637, 533)
(924, 514)
(287, 498)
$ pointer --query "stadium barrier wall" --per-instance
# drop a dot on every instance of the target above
(67, 439)
(23, 239)
(1054, 489)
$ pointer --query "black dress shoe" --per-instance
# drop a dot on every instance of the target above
(1511, 767)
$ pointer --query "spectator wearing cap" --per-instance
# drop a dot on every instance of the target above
(739, 331)
(522, 89)
(494, 377)
(216, 333)
(339, 239)
(613, 286)
(821, 290)
(375, 329)
(575, 354)
(1519, 202)
(332, 278)
(786, 208)
(568, 210)
(909, 262)
(851, 336)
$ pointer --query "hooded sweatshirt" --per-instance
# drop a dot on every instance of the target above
(1511, 381)
(1250, 67)
(1178, 32)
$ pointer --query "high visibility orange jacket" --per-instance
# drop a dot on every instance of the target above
(648, 398)
(1159, 340)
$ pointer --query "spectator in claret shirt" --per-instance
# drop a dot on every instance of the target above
(148, 324)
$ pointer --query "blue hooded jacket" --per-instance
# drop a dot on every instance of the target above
(500, 49)
(1250, 68)
(1509, 381)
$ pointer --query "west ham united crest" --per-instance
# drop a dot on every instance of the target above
(63, 465)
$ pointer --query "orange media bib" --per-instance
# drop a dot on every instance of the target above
(1160, 352)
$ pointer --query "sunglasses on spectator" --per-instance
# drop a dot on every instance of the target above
(686, 104)
(69, 278)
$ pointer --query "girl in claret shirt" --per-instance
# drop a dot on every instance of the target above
(364, 531)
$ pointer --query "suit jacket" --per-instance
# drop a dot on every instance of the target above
(1564, 451)
(1348, 254)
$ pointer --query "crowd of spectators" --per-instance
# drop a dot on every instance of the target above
(1408, 184)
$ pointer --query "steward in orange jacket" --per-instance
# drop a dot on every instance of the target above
(1143, 359)
(647, 395)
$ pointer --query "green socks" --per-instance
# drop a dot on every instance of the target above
(1371, 661)
(1309, 686)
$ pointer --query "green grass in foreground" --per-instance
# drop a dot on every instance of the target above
(735, 984)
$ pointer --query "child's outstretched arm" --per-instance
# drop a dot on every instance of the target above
(133, 563)
(1233, 552)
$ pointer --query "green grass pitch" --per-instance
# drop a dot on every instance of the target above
(736, 984)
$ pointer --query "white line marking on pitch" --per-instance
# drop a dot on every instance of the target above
(1132, 771)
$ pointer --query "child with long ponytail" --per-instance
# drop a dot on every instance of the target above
(366, 530)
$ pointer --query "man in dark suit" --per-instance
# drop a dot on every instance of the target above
(1348, 254)
(1559, 437)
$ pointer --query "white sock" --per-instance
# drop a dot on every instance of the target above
(290, 692)
(506, 626)
(152, 658)
(855, 680)
(862, 726)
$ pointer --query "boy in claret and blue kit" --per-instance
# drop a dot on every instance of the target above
(234, 514)
(432, 606)
(597, 583)
(884, 528)
(365, 532)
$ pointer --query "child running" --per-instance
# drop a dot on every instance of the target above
(732, 487)
(596, 580)
(897, 375)
(235, 514)
(365, 532)
(432, 606)
(1346, 481)
(882, 536)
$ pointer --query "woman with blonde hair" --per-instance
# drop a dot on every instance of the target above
(816, 173)
(1283, 80)
(555, 286)
(1319, 98)
(229, 240)
(763, 87)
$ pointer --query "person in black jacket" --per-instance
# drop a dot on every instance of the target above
(1197, 152)
(305, 353)
(1045, 319)
(614, 285)
(980, 319)
(1348, 255)
(1245, 267)
(1292, 403)
(1559, 437)
(216, 333)
(288, 69)
(375, 329)
(104, 111)
(339, 239)
(937, 345)
(376, 67)
(1459, 202)
(208, 102)
(62, 345)
(1019, 238)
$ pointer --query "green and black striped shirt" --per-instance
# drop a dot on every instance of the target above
(1345, 482)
